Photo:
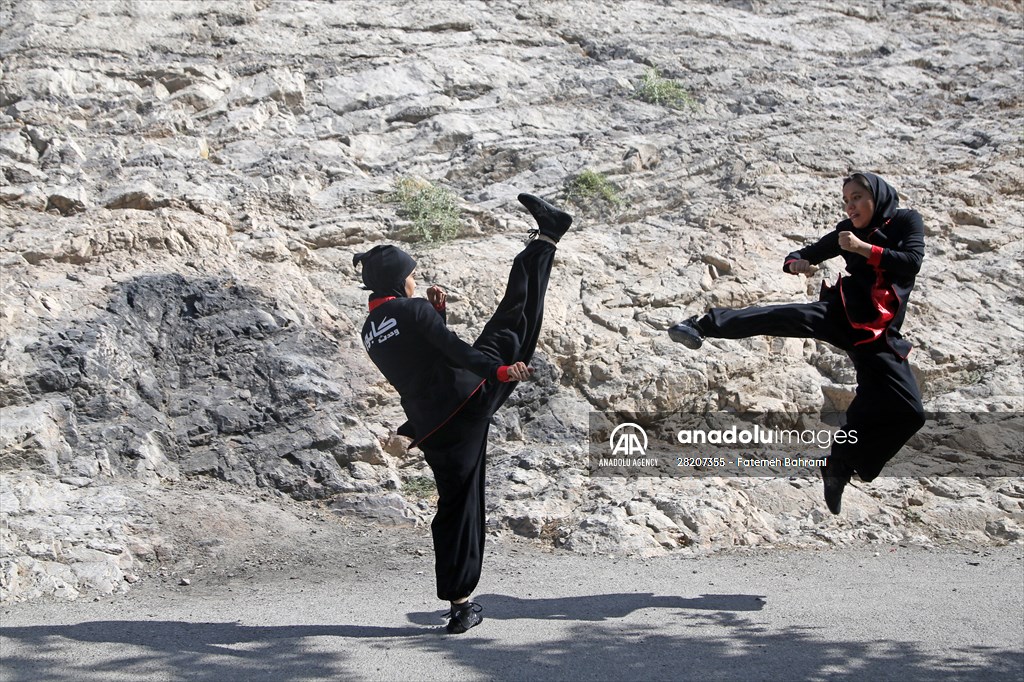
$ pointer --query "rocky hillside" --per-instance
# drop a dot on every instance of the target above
(183, 184)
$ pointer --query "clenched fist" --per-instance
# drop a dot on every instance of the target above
(849, 242)
(802, 267)
(437, 296)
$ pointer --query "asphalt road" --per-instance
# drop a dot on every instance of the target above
(894, 613)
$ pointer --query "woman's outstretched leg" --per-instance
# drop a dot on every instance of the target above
(511, 334)
(818, 320)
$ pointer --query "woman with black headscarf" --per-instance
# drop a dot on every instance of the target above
(883, 246)
(450, 389)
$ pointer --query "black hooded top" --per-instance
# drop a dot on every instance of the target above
(875, 293)
(434, 371)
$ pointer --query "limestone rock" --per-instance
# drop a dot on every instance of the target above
(177, 227)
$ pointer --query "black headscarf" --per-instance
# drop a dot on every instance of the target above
(887, 200)
(385, 269)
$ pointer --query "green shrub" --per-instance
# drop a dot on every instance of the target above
(664, 92)
(433, 211)
(420, 486)
(590, 185)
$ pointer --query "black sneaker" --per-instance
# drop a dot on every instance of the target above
(835, 476)
(686, 333)
(463, 617)
(552, 222)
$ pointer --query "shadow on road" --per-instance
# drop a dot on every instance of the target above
(709, 637)
(599, 649)
(596, 607)
(719, 645)
(196, 651)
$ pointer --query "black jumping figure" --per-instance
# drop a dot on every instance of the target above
(883, 246)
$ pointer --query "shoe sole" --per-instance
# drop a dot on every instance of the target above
(689, 340)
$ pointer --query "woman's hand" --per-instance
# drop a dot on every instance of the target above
(802, 267)
(518, 372)
(849, 242)
(437, 296)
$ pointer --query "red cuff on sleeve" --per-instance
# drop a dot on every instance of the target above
(785, 266)
(876, 255)
(503, 374)
(440, 308)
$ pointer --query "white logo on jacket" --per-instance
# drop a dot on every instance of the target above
(387, 329)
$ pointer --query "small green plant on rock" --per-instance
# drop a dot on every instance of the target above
(664, 92)
(433, 211)
(422, 487)
(590, 185)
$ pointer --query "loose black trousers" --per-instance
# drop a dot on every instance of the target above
(457, 451)
(886, 410)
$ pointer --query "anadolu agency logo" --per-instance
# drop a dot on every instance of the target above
(628, 444)
(626, 440)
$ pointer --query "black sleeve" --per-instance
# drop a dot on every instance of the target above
(821, 250)
(904, 258)
(457, 351)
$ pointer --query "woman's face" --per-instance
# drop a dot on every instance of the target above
(410, 286)
(859, 204)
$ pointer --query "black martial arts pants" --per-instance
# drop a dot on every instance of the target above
(457, 451)
(886, 409)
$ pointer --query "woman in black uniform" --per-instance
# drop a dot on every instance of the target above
(450, 389)
(883, 246)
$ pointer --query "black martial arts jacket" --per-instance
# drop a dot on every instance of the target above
(875, 293)
(433, 370)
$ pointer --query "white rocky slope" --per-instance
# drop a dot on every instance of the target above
(183, 185)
